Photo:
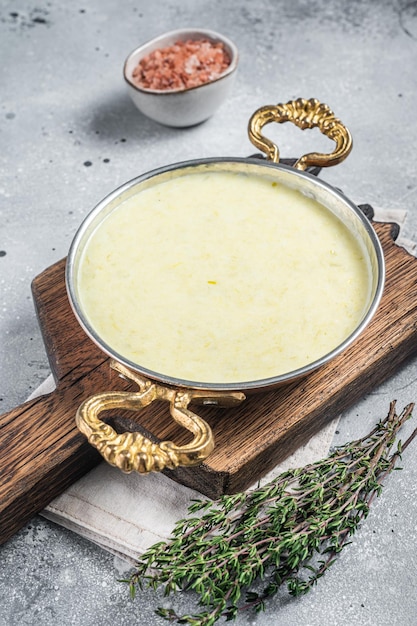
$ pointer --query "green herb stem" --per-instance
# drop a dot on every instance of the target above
(288, 531)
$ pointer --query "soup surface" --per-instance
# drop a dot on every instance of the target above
(222, 277)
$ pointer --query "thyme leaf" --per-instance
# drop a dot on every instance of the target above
(288, 531)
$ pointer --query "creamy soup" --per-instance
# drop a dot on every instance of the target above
(222, 277)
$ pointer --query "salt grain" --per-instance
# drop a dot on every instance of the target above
(181, 66)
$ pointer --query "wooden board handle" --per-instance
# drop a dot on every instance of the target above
(40, 446)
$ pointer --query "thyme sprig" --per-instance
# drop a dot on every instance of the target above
(288, 531)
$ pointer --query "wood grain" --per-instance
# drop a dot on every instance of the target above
(43, 453)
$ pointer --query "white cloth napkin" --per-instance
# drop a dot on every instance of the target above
(127, 513)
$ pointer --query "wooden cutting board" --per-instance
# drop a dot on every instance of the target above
(42, 451)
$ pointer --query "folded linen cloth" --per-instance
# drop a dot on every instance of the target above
(127, 513)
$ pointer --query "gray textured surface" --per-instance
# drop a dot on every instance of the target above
(69, 135)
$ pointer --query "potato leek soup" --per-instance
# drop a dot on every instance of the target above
(222, 277)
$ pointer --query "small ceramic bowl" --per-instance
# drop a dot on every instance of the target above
(181, 107)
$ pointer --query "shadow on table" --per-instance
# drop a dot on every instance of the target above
(116, 118)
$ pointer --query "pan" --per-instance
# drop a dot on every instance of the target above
(211, 279)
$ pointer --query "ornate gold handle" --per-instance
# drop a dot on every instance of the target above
(132, 451)
(304, 114)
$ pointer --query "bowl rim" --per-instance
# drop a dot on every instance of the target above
(195, 33)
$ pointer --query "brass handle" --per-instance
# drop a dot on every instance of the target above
(304, 114)
(132, 451)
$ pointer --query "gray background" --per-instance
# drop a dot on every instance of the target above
(63, 105)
